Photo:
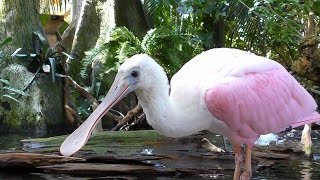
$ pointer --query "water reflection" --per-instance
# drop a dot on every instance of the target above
(306, 171)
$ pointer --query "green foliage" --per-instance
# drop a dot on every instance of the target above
(3, 43)
(262, 26)
(43, 59)
(170, 50)
(8, 92)
(112, 48)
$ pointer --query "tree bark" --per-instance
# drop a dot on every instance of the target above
(68, 35)
(87, 29)
(133, 17)
(309, 63)
(99, 16)
(40, 112)
(22, 18)
(219, 35)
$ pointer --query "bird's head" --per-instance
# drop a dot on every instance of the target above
(140, 72)
(135, 74)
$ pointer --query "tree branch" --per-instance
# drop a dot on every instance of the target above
(94, 103)
(128, 117)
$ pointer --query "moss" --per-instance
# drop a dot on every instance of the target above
(19, 121)
(121, 142)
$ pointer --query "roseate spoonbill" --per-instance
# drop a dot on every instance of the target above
(227, 91)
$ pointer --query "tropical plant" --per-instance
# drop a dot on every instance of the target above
(163, 44)
(265, 27)
(114, 46)
(169, 49)
(6, 91)
(43, 59)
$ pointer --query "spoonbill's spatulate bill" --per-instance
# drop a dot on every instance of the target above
(226, 91)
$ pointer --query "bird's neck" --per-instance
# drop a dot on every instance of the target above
(162, 114)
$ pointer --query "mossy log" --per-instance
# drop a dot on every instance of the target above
(136, 153)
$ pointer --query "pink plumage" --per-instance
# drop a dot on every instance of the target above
(225, 91)
(259, 103)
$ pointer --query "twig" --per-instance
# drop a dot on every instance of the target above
(87, 95)
(140, 119)
(81, 90)
(137, 120)
(128, 117)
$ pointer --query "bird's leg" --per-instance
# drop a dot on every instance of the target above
(306, 139)
(238, 156)
(247, 173)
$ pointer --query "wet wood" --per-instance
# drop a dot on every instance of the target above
(96, 169)
(33, 160)
(140, 152)
(288, 150)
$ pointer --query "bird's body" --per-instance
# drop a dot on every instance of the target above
(226, 91)
(240, 97)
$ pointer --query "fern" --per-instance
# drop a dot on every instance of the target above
(170, 50)
(113, 47)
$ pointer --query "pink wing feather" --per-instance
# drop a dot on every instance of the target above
(261, 103)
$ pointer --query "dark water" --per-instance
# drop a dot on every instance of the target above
(305, 169)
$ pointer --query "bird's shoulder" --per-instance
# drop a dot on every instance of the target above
(220, 63)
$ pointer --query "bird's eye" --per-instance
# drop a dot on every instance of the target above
(134, 74)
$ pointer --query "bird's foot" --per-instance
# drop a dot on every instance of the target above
(246, 175)
(205, 143)
(306, 140)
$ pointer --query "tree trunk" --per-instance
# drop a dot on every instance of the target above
(219, 35)
(96, 16)
(133, 17)
(68, 35)
(99, 16)
(87, 29)
(21, 20)
(309, 63)
(41, 111)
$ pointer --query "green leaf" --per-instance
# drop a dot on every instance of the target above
(316, 8)
(97, 88)
(166, 3)
(10, 97)
(21, 55)
(4, 81)
(68, 55)
(5, 41)
(53, 68)
(33, 55)
(15, 52)
(16, 91)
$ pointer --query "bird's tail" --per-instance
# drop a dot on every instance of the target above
(314, 117)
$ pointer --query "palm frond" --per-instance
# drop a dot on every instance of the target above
(169, 49)
(153, 5)
(113, 47)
